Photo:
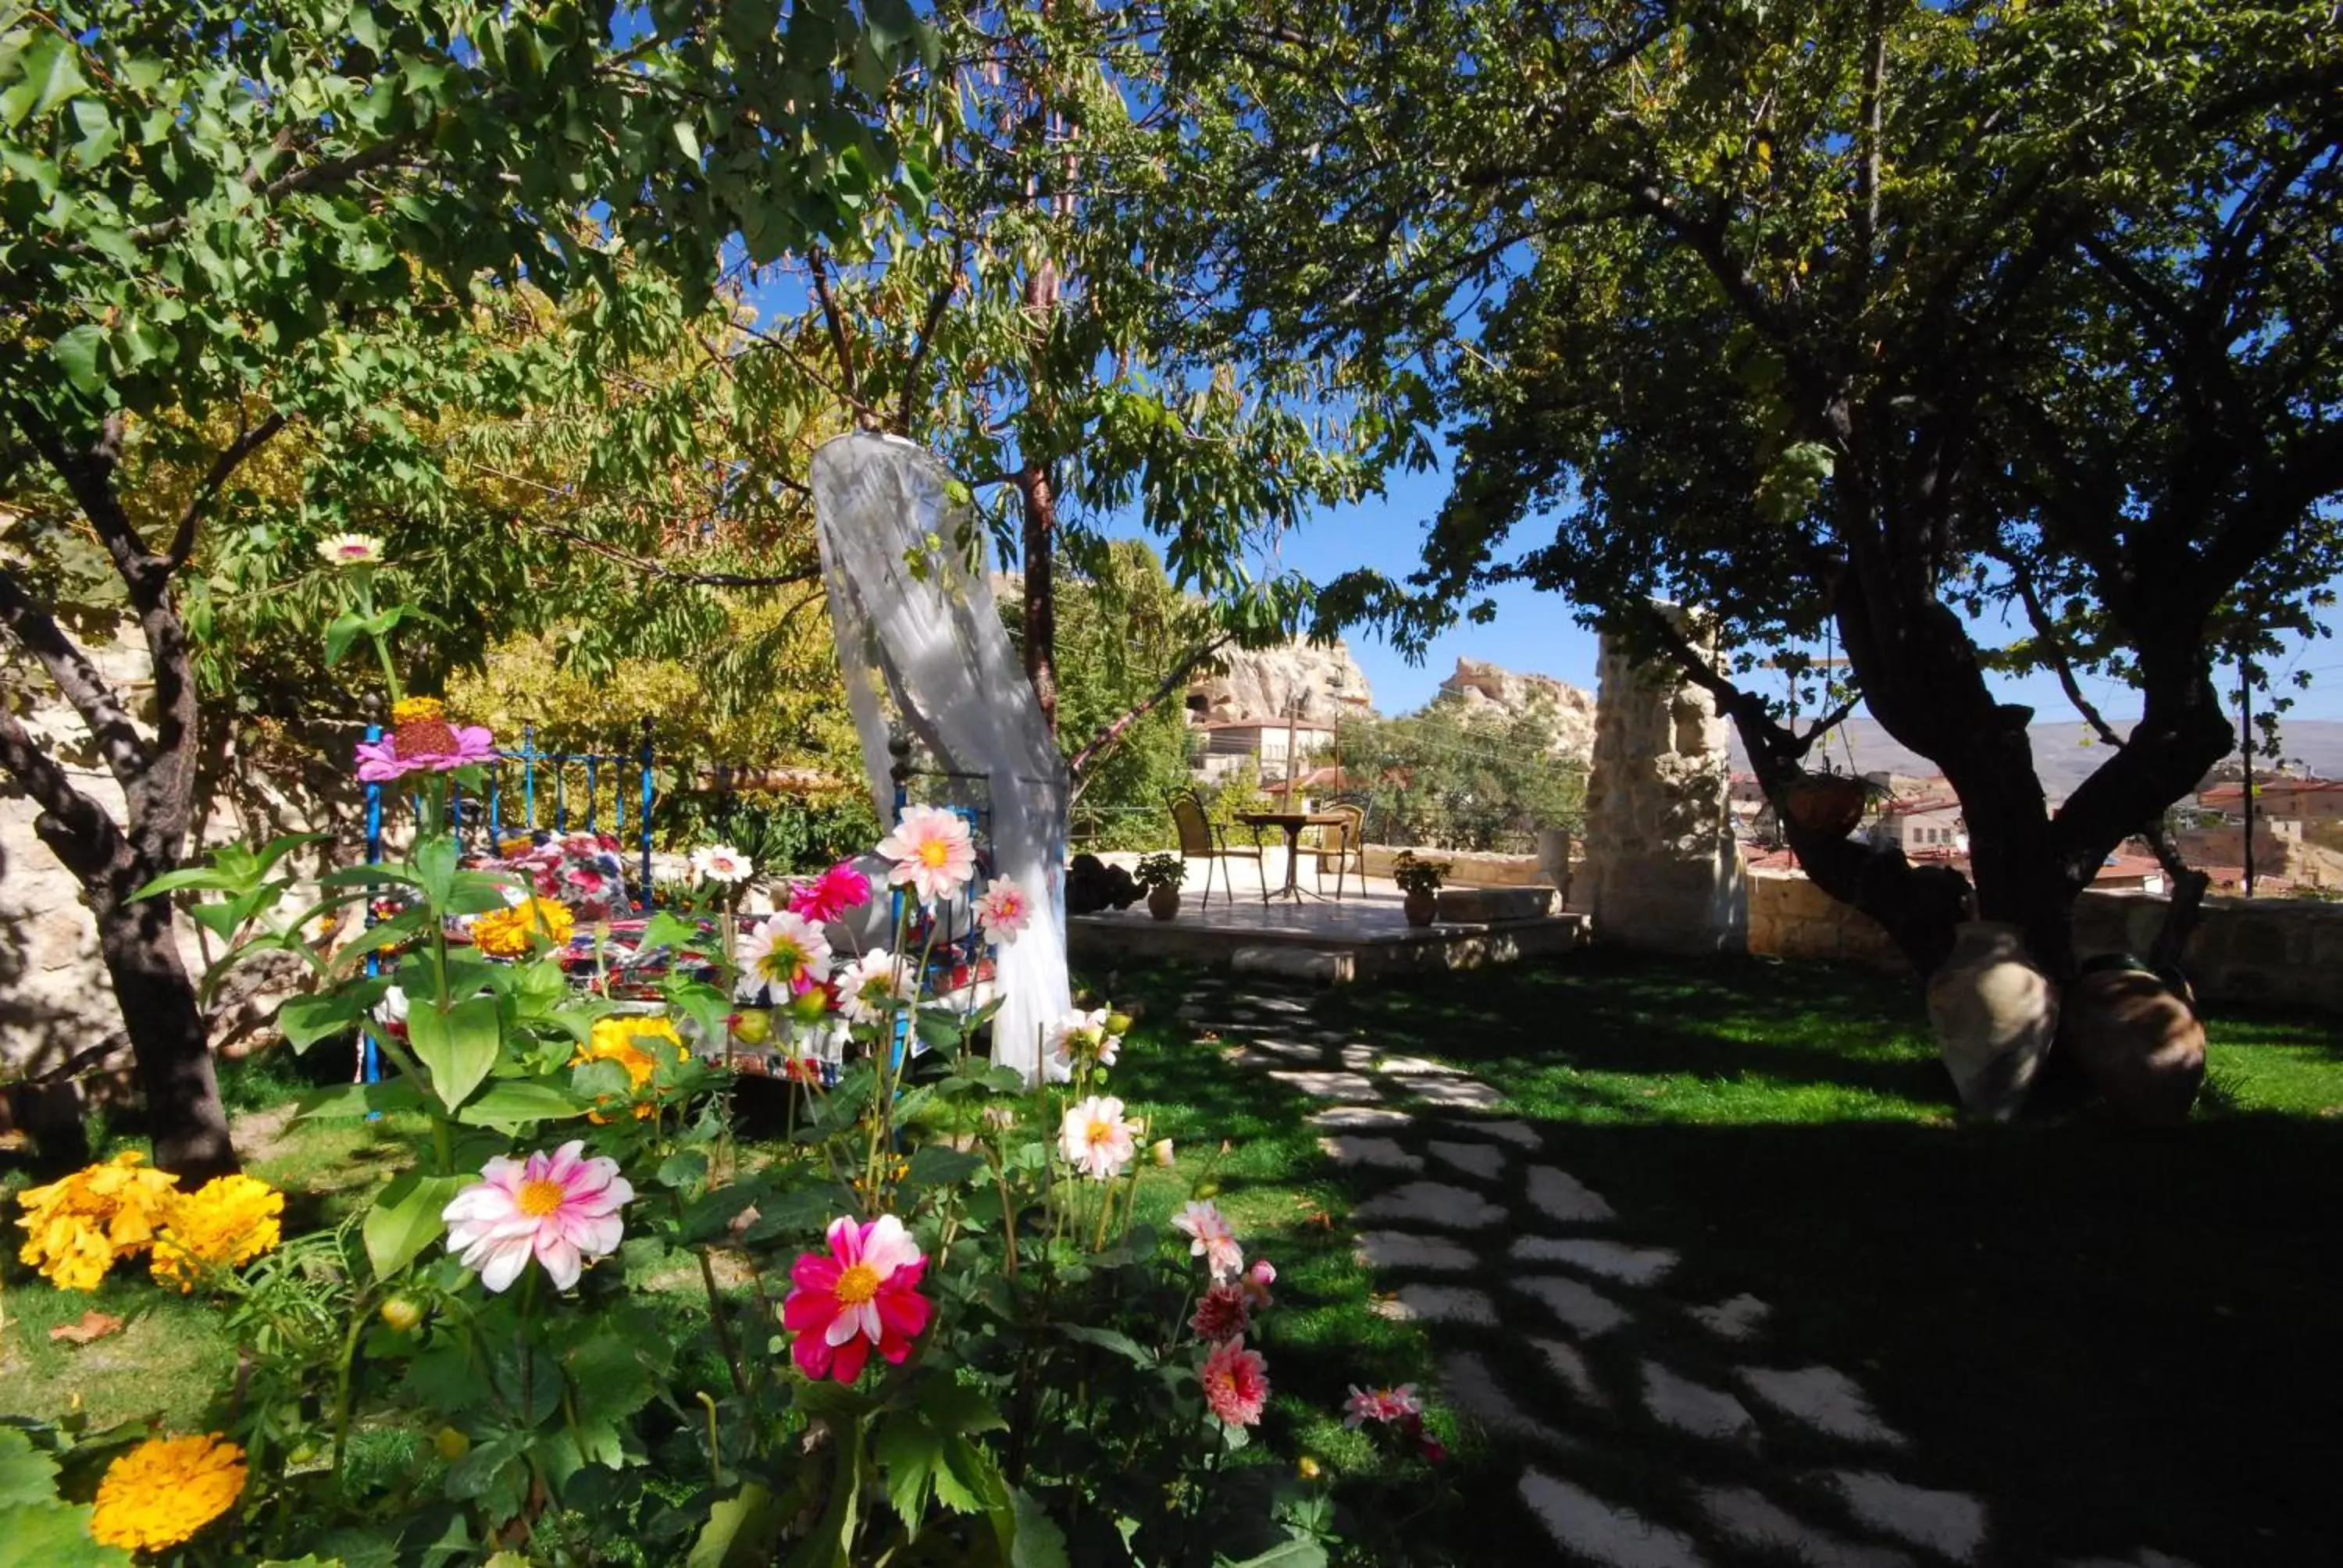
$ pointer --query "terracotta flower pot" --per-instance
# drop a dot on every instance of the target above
(1995, 1015)
(1826, 803)
(2137, 1041)
(1419, 908)
(1163, 902)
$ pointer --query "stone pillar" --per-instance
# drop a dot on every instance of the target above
(1663, 872)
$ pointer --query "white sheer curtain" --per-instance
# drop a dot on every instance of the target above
(915, 619)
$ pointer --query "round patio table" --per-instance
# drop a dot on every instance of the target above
(1293, 822)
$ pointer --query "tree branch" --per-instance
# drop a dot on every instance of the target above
(937, 303)
(84, 836)
(78, 679)
(841, 345)
(1112, 732)
(651, 567)
(248, 441)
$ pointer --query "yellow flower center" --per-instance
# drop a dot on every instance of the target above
(783, 961)
(934, 852)
(1102, 1132)
(539, 1198)
(857, 1285)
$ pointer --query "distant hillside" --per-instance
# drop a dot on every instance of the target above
(2064, 753)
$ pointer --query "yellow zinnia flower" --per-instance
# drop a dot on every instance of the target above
(634, 1043)
(165, 1490)
(77, 1226)
(230, 1221)
(409, 710)
(505, 933)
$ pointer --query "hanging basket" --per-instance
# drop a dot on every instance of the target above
(1828, 804)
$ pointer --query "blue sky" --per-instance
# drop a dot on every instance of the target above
(1536, 632)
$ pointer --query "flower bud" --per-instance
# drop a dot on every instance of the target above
(809, 1007)
(1309, 1468)
(452, 1444)
(1160, 1152)
(1117, 1023)
(753, 1027)
(402, 1313)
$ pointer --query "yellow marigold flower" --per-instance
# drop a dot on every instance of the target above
(415, 710)
(229, 1221)
(165, 1490)
(635, 1043)
(505, 933)
(76, 1226)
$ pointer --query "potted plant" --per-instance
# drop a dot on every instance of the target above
(1826, 803)
(1420, 879)
(1161, 874)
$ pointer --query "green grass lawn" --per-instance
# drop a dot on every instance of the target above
(2117, 1338)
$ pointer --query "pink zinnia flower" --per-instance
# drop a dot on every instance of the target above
(932, 854)
(830, 895)
(559, 1208)
(864, 1292)
(434, 747)
(1213, 1241)
(1236, 1383)
(788, 953)
(1382, 1405)
(1003, 911)
(1222, 1314)
(1096, 1138)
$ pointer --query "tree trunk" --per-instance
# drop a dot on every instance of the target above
(1041, 509)
(168, 1040)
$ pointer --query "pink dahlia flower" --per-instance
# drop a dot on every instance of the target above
(1002, 911)
(1097, 1139)
(1256, 1280)
(721, 863)
(788, 952)
(875, 985)
(434, 747)
(559, 1208)
(1213, 1240)
(863, 1292)
(932, 853)
(1236, 1383)
(1081, 1037)
(1222, 1314)
(830, 895)
(1380, 1404)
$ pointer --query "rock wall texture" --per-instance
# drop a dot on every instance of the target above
(1663, 871)
(1478, 685)
(2286, 953)
(56, 1002)
(1261, 683)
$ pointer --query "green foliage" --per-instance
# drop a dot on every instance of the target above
(1459, 779)
(1159, 870)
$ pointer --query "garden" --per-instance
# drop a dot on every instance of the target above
(570, 574)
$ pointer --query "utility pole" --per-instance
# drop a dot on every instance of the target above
(1292, 758)
(2245, 745)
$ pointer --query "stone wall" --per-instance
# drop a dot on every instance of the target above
(55, 1000)
(1663, 871)
(2285, 952)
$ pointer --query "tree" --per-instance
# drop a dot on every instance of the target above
(1037, 323)
(253, 220)
(1840, 322)
(1452, 778)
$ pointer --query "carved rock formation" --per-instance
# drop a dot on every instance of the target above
(1478, 684)
(1263, 683)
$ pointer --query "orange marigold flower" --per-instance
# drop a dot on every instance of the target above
(167, 1489)
(507, 933)
(229, 1221)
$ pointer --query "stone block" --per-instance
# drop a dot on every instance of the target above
(1485, 906)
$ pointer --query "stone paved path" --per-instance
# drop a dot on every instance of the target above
(1468, 1208)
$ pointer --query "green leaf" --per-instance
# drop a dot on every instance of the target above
(26, 1474)
(53, 1535)
(511, 1102)
(683, 1170)
(51, 67)
(937, 1165)
(306, 1020)
(1038, 1542)
(667, 930)
(737, 1532)
(340, 632)
(1121, 1343)
(459, 1046)
(909, 1454)
(1300, 1553)
(404, 1219)
(78, 352)
(346, 1100)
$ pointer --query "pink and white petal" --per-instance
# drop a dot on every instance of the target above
(804, 1311)
(561, 1261)
(501, 1265)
